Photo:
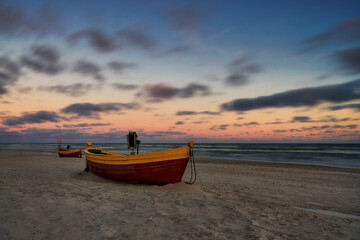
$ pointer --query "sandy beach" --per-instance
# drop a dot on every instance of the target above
(43, 196)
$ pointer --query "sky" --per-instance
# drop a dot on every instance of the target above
(174, 71)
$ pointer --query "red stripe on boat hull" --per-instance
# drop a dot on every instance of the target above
(162, 172)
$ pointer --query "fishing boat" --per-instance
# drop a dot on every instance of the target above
(159, 168)
(68, 152)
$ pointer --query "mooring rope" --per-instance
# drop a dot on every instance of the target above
(193, 168)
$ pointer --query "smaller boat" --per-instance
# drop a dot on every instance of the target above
(68, 152)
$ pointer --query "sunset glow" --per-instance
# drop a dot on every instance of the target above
(211, 71)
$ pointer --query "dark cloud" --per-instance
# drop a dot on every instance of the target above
(99, 40)
(351, 126)
(298, 98)
(74, 90)
(162, 91)
(334, 119)
(174, 50)
(121, 86)
(44, 59)
(110, 42)
(348, 60)
(14, 20)
(48, 135)
(279, 131)
(137, 37)
(82, 125)
(219, 127)
(9, 74)
(185, 17)
(355, 106)
(346, 32)
(161, 134)
(236, 80)
(93, 110)
(180, 113)
(88, 69)
(240, 71)
(121, 66)
(11, 18)
(328, 128)
(179, 123)
(200, 122)
(29, 118)
(301, 119)
(274, 123)
(246, 124)
(24, 90)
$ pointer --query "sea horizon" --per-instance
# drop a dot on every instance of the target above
(325, 154)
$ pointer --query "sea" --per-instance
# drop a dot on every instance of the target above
(341, 155)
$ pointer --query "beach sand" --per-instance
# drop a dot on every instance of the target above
(43, 196)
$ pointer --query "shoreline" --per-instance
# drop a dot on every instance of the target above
(241, 162)
(278, 164)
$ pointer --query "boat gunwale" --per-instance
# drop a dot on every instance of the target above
(69, 151)
(121, 159)
(115, 154)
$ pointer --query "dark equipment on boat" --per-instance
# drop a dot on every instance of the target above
(68, 147)
(133, 142)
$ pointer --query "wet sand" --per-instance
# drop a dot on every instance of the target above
(43, 196)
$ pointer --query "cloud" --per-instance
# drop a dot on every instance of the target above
(326, 128)
(121, 86)
(181, 113)
(137, 37)
(240, 71)
(74, 90)
(99, 40)
(346, 32)
(246, 124)
(30, 118)
(9, 74)
(310, 96)
(82, 125)
(14, 20)
(279, 131)
(199, 122)
(174, 50)
(348, 60)
(274, 122)
(301, 119)
(162, 91)
(351, 126)
(121, 66)
(24, 90)
(185, 17)
(179, 123)
(44, 59)
(219, 127)
(355, 106)
(162, 134)
(88, 69)
(93, 110)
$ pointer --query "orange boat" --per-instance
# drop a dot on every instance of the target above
(68, 152)
(160, 168)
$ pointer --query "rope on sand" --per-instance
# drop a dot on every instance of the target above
(193, 168)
